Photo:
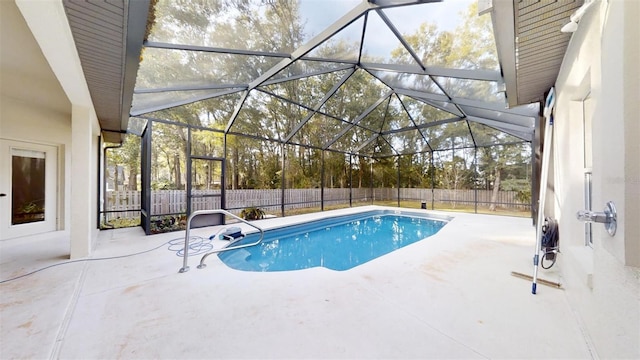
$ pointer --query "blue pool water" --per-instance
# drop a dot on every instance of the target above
(339, 243)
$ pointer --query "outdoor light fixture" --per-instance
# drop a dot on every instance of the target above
(572, 26)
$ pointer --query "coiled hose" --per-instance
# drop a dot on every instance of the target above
(549, 242)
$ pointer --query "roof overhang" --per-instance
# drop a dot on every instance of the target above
(108, 37)
(530, 45)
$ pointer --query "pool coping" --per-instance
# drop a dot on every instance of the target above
(281, 222)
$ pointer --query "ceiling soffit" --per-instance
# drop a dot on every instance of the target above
(108, 36)
(530, 45)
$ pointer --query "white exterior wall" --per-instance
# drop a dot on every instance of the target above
(603, 281)
(42, 82)
(23, 121)
(33, 105)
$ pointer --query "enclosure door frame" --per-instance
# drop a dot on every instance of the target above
(212, 219)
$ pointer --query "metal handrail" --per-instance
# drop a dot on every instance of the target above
(185, 267)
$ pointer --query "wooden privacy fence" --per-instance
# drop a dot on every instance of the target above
(126, 204)
(506, 199)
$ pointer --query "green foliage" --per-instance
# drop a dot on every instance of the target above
(163, 184)
(515, 184)
(168, 223)
(252, 213)
(256, 162)
(30, 207)
(127, 158)
(119, 223)
(524, 196)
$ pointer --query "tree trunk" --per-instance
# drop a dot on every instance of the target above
(133, 178)
(176, 164)
(115, 178)
(496, 187)
(171, 170)
(236, 169)
(345, 176)
(208, 177)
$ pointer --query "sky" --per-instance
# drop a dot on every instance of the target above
(319, 14)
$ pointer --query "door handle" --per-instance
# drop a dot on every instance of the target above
(609, 217)
(3, 195)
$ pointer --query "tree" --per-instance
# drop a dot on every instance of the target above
(291, 111)
(126, 156)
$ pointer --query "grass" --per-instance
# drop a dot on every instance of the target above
(445, 206)
(409, 204)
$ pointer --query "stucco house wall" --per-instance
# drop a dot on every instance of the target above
(41, 105)
(599, 82)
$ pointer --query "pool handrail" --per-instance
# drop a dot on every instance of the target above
(185, 267)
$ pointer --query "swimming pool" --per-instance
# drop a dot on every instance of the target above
(337, 243)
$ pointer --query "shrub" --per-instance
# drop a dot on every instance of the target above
(252, 213)
(168, 223)
(524, 196)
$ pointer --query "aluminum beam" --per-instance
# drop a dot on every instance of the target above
(168, 46)
(137, 112)
(326, 97)
(481, 75)
(413, 122)
(333, 29)
(422, 126)
(236, 111)
(191, 88)
(393, 3)
(306, 75)
(501, 125)
(358, 119)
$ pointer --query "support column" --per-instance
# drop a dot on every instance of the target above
(83, 174)
(371, 175)
(398, 165)
(350, 180)
(322, 183)
(433, 171)
(282, 179)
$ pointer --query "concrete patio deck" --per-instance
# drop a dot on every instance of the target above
(449, 296)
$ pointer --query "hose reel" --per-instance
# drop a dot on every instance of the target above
(549, 245)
